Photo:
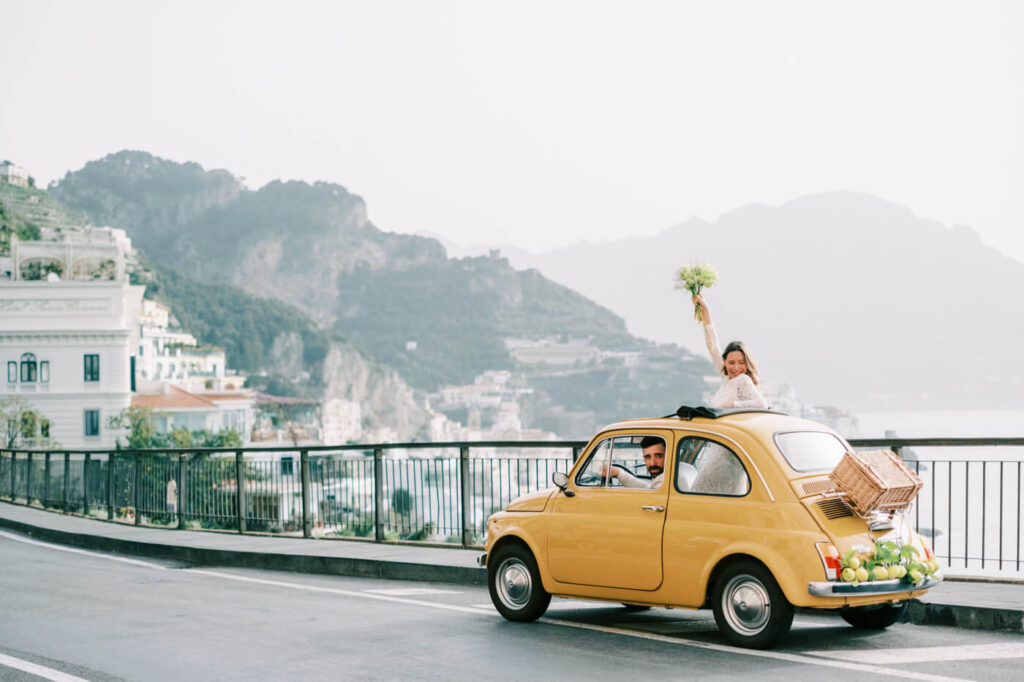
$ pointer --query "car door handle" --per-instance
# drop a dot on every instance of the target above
(652, 507)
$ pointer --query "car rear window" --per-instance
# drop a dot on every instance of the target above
(811, 450)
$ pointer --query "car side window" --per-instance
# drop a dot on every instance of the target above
(709, 468)
(621, 454)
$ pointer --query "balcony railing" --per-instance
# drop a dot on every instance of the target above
(970, 508)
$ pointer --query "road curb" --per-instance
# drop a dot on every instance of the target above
(299, 563)
(967, 617)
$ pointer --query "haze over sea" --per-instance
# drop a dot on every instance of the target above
(966, 423)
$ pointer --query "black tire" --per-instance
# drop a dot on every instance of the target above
(750, 608)
(874, 617)
(515, 585)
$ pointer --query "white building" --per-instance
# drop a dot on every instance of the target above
(174, 407)
(14, 175)
(68, 348)
(176, 357)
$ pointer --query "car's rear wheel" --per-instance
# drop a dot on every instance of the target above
(874, 617)
(514, 583)
(750, 608)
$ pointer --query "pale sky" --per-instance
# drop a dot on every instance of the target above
(539, 123)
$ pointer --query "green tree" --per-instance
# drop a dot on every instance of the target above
(21, 424)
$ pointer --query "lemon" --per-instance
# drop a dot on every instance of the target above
(916, 577)
(881, 573)
(848, 575)
(854, 563)
(861, 573)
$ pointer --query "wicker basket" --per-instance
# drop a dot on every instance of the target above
(876, 480)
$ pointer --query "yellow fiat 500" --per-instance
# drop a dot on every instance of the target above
(727, 509)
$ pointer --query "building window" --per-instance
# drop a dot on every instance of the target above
(44, 372)
(28, 367)
(12, 372)
(92, 367)
(92, 422)
(287, 466)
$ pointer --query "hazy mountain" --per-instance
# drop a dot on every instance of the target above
(852, 300)
(399, 298)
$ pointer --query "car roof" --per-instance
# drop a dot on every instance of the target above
(756, 422)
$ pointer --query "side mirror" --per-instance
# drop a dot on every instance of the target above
(561, 480)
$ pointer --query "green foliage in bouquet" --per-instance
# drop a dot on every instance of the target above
(694, 278)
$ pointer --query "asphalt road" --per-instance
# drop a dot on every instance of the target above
(69, 614)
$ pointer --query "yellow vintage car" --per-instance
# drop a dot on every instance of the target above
(730, 509)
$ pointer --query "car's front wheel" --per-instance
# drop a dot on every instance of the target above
(750, 608)
(514, 583)
(874, 617)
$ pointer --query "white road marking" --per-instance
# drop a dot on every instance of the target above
(61, 548)
(678, 641)
(411, 592)
(38, 670)
(966, 652)
(776, 655)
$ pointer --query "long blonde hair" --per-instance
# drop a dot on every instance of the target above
(751, 365)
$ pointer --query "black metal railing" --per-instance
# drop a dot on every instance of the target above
(428, 492)
(970, 508)
(972, 504)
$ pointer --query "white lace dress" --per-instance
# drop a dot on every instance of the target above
(741, 390)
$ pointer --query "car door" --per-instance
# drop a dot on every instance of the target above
(712, 506)
(606, 533)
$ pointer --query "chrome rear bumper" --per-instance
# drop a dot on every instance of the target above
(838, 589)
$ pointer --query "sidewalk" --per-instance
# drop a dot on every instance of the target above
(965, 604)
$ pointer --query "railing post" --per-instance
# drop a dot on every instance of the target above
(464, 474)
(14, 456)
(179, 500)
(378, 494)
(67, 483)
(307, 519)
(28, 481)
(240, 490)
(136, 485)
(85, 484)
(46, 481)
(110, 486)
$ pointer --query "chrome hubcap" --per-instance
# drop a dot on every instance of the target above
(747, 605)
(514, 583)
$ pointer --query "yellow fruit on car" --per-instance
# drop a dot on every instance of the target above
(861, 573)
(881, 573)
(848, 575)
(854, 563)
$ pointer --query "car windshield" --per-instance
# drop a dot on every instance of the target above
(811, 450)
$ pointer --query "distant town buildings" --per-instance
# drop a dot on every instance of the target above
(81, 344)
(67, 348)
(13, 175)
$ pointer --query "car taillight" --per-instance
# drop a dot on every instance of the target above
(829, 559)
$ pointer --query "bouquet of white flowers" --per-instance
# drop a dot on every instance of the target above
(693, 278)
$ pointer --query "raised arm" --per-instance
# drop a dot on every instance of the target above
(710, 338)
